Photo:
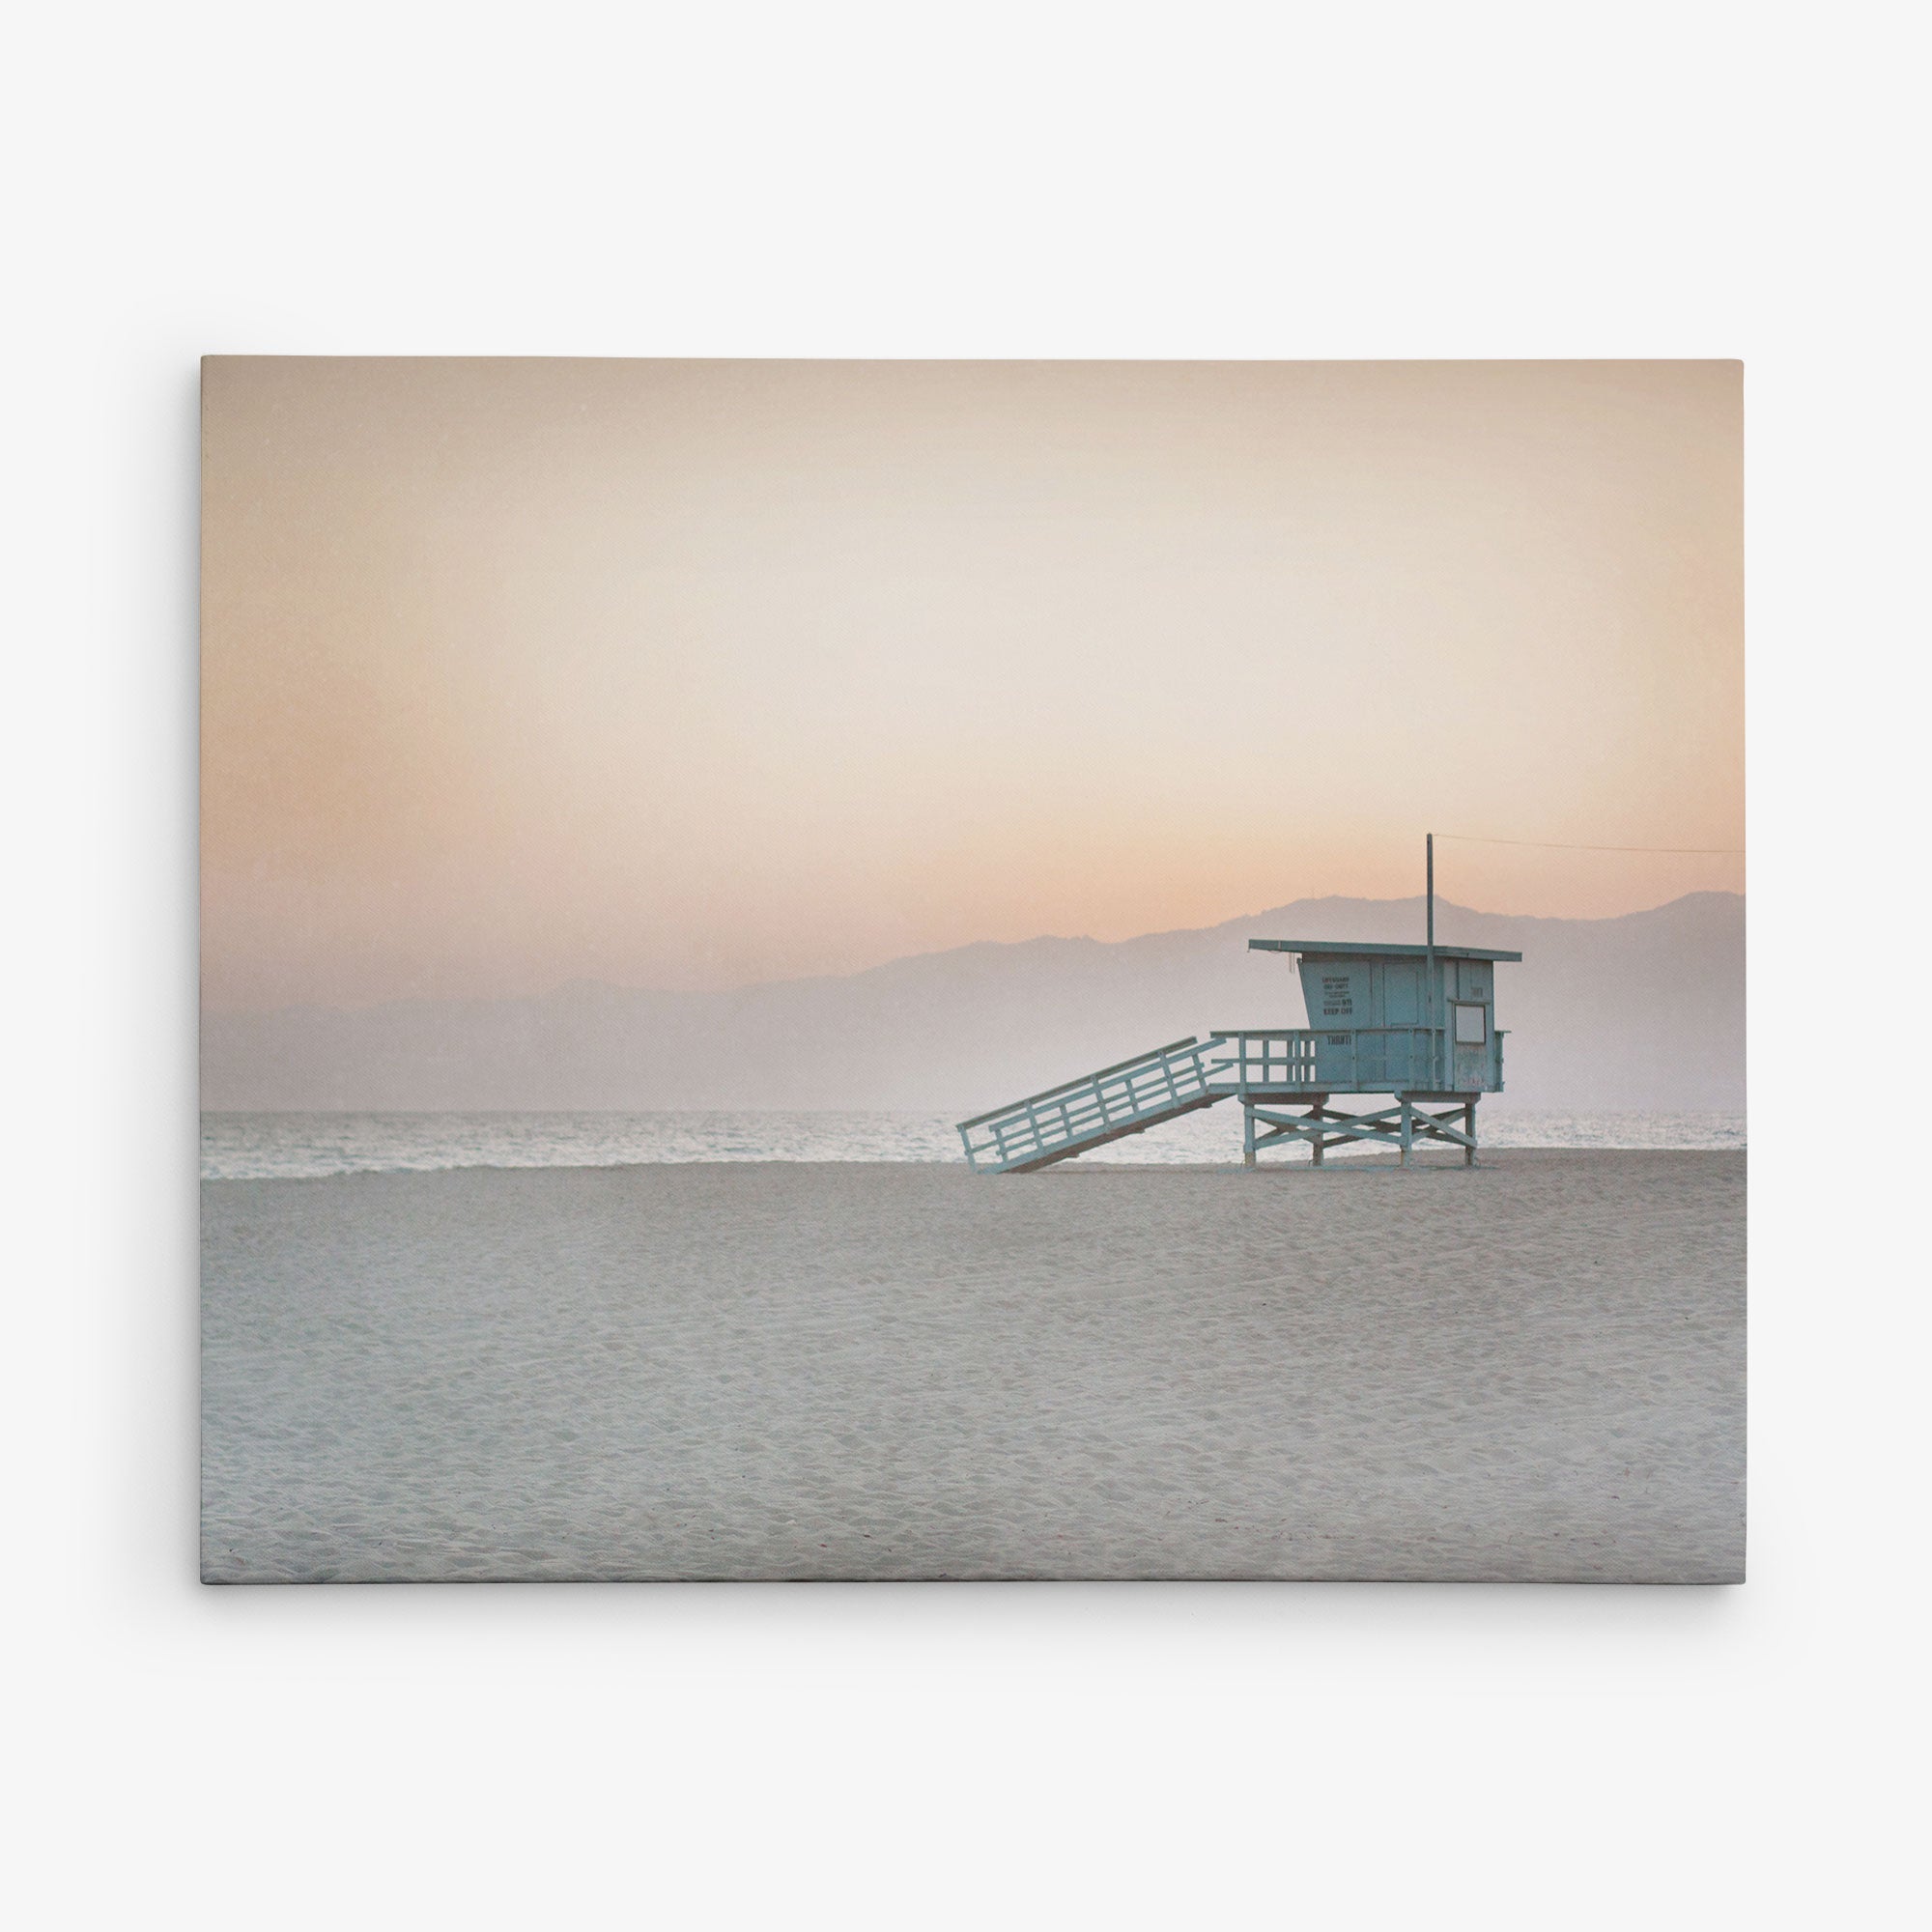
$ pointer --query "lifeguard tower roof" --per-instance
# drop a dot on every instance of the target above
(1352, 949)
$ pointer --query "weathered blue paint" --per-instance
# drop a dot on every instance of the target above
(1356, 1060)
(1414, 1022)
(1365, 989)
(1133, 1094)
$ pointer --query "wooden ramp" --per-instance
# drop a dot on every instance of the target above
(1125, 1099)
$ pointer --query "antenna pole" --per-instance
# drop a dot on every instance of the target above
(1434, 1047)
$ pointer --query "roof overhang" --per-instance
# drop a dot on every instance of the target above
(1340, 949)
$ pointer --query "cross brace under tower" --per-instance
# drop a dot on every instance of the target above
(1323, 1126)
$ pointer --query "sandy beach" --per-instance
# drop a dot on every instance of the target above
(1530, 1371)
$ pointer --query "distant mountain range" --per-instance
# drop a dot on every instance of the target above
(1638, 1012)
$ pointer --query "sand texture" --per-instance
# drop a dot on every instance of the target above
(1532, 1370)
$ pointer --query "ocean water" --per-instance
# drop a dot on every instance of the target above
(253, 1147)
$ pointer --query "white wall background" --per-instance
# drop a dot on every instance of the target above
(1038, 179)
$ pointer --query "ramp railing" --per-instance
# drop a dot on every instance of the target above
(1123, 1098)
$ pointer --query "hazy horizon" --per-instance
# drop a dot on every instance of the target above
(720, 674)
(1446, 909)
(1636, 1012)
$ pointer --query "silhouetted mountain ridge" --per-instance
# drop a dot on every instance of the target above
(1645, 1011)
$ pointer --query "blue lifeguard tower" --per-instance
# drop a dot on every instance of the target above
(1414, 1024)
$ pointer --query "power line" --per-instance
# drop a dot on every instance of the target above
(1546, 846)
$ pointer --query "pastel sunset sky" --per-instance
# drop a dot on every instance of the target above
(704, 673)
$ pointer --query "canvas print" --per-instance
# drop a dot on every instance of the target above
(948, 970)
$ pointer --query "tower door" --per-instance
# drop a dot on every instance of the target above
(1405, 1056)
(1401, 993)
(1469, 1045)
